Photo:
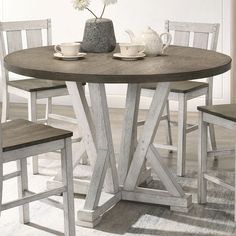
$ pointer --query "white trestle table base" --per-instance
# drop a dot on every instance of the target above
(103, 190)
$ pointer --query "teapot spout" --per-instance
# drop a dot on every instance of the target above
(131, 35)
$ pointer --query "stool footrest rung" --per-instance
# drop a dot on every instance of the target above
(191, 128)
(11, 175)
(47, 201)
(218, 181)
(142, 122)
(33, 198)
(165, 146)
(63, 118)
(221, 153)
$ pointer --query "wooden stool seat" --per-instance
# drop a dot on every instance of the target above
(34, 85)
(22, 133)
(227, 111)
(180, 87)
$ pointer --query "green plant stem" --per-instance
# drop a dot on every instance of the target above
(103, 11)
(92, 12)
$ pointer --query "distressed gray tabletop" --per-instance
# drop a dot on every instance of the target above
(179, 63)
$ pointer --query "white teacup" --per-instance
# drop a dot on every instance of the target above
(131, 49)
(68, 49)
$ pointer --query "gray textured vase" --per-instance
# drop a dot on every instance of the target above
(99, 36)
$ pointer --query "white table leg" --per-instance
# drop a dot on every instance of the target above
(129, 131)
(84, 118)
(174, 196)
(103, 132)
(105, 164)
(87, 146)
(129, 136)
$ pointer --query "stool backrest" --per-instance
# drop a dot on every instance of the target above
(199, 35)
(18, 35)
(203, 35)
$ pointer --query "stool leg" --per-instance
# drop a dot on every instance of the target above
(1, 183)
(202, 160)
(212, 138)
(211, 126)
(48, 109)
(5, 104)
(68, 196)
(169, 134)
(182, 119)
(22, 182)
(32, 116)
(235, 190)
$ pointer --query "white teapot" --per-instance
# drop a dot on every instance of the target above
(153, 42)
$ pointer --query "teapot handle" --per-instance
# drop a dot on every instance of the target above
(169, 38)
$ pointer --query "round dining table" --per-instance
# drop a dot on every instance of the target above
(110, 184)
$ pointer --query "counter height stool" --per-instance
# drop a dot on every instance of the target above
(221, 115)
(16, 36)
(199, 35)
(20, 139)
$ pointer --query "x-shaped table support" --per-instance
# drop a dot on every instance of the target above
(97, 139)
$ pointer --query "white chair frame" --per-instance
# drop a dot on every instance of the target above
(201, 35)
(14, 41)
(25, 195)
(204, 120)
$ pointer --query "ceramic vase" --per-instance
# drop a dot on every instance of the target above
(99, 36)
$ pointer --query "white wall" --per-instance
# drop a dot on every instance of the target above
(68, 25)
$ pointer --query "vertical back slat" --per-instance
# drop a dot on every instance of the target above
(215, 37)
(213, 46)
(49, 32)
(34, 38)
(200, 40)
(14, 40)
(2, 45)
(2, 55)
(181, 38)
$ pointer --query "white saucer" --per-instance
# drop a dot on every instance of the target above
(129, 58)
(69, 58)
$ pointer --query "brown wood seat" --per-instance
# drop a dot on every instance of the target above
(34, 85)
(226, 111)
(22, 133)
(180, 87)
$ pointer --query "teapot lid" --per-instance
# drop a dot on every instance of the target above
(149, 30)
